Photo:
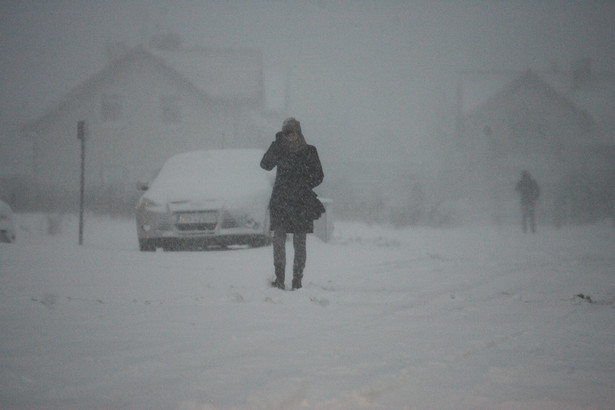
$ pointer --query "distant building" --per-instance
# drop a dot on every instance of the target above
(558, 127)
(144, 106)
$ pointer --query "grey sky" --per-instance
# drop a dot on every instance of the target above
(358, 68)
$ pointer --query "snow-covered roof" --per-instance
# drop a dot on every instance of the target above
(477, 87)
(596, 99)
(229, 74)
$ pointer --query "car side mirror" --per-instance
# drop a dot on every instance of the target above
(142, 186)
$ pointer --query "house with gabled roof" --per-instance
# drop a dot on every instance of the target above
(545, 125)
(143, 107)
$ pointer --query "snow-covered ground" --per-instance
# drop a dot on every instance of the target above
(481, 317)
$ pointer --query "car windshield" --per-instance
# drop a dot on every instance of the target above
(210, 175)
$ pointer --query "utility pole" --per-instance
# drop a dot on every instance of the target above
(81, 136)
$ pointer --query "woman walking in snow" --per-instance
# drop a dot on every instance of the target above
(294, 205)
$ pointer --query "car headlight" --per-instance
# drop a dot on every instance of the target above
(147, 203)
(237, 220)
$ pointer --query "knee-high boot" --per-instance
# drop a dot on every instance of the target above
(279, 258)
(299, 242)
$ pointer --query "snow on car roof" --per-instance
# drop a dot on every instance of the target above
(210, 175)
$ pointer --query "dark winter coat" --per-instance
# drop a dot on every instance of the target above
(528, 189)
(294, 205)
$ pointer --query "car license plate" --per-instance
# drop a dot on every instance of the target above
(197, 217)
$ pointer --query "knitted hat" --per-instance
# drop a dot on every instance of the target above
(290, 125)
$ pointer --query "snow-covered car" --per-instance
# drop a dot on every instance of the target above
(7, 224)
(206, 198)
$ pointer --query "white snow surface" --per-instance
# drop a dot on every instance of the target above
(464, 318)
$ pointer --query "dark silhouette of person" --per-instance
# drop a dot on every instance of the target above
(527, 187)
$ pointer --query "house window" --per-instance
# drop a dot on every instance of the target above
(111, 107)
(169, 109)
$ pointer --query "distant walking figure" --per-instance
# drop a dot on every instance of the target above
(529, 191)
(294, 205)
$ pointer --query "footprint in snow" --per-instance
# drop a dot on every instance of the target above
(319, 301)
(269, 299)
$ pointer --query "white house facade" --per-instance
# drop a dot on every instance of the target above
(140, 110)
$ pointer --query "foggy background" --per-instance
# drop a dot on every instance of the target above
(372, 80)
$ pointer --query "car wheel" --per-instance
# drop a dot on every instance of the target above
(146, 246)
